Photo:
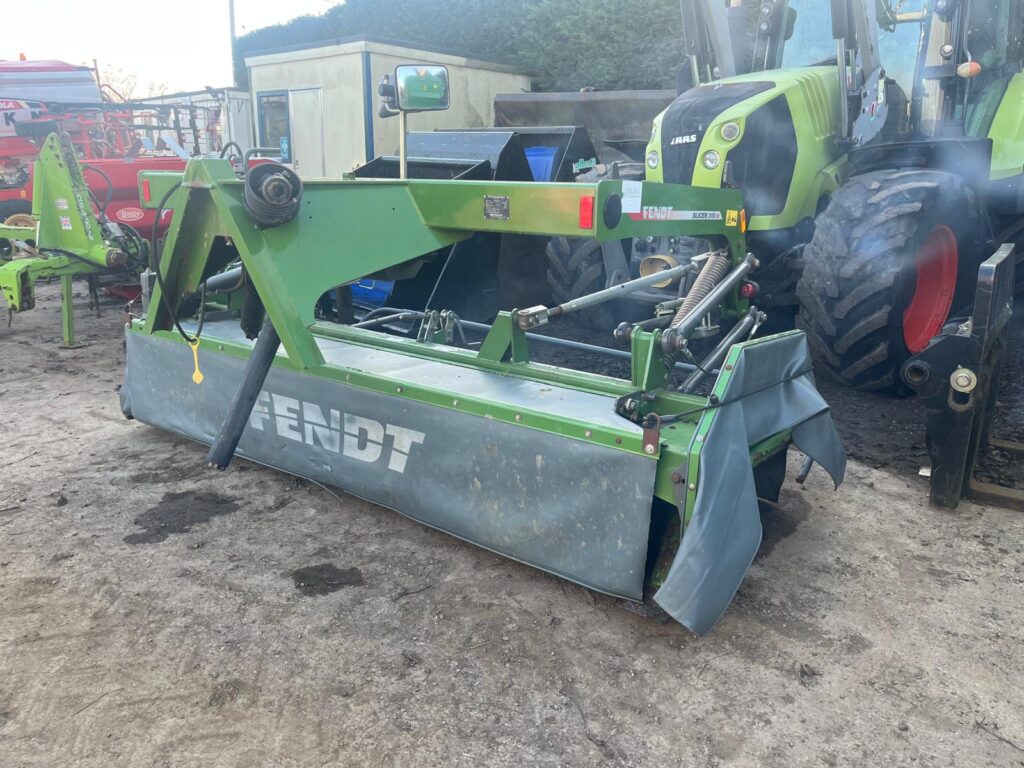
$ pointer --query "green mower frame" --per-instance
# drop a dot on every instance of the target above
(68, 240)
(547, 465)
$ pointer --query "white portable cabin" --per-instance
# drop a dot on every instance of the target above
(321, 98)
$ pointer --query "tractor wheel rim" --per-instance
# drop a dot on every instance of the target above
(20, 220)
(936, 270)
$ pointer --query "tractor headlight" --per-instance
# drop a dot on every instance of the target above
(730, 131)
(712, 159)
(653, 159)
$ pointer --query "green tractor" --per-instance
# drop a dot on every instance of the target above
(880, 152)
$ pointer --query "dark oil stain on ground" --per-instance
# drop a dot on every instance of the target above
(177, 513)
(325, 578)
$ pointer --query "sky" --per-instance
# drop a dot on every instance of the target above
(184, 44)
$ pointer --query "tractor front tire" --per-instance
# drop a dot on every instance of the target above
(576, 268)
(893, 254)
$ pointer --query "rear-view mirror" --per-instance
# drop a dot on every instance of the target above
(421, 87)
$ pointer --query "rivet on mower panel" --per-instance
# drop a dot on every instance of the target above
(677, 478)
(648, 448)
(519, 417)
(588, 433)
(692, 486)
(398, 389)
(455, 403)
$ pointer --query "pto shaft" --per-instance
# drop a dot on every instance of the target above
(256, 370)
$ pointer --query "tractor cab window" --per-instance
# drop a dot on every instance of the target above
(991, 50)
(808, 37)
(810, 41)
(993, 41)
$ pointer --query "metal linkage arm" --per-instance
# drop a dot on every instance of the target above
(540, 315)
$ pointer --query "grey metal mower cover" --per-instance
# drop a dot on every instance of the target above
(572, 508)
(771, 389)
(569, 507)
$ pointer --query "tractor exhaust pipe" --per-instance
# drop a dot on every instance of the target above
(256, 370)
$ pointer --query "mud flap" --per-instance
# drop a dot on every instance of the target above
(771, 390)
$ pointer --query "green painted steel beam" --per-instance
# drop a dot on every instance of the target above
(349, 229)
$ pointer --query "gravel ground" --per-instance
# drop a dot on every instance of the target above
(158, 614)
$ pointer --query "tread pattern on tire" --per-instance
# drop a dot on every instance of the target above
(576, 268)
(576, 265)
(10, 207)
(859, 271)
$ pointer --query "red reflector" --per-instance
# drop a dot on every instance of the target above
(748, 290)
(587, 212)
(146, 196)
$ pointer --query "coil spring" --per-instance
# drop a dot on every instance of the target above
(714, 269)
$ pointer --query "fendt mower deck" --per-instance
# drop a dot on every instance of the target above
(615, 484)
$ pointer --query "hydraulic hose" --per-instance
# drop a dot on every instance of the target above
(110, 187)
(229, 145)
(256, 370)
(164, 298)
(715, 268)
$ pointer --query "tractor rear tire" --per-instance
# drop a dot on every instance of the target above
(892, 255)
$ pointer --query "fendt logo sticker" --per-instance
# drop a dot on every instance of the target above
(668, 213)
(353, 436)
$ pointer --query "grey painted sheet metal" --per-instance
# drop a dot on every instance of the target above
(566, 506)
(766, 395)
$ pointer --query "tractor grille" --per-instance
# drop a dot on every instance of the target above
(687, 120)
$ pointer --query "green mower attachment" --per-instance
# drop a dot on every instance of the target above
(618, 485)
(68, 238)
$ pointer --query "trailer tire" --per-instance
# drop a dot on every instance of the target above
(11, 208)
(892, 256)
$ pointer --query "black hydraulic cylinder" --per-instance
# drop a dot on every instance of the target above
(256, 370)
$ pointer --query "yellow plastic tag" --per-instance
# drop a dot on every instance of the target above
(197, 376)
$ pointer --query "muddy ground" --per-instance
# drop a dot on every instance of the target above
(155, 613)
